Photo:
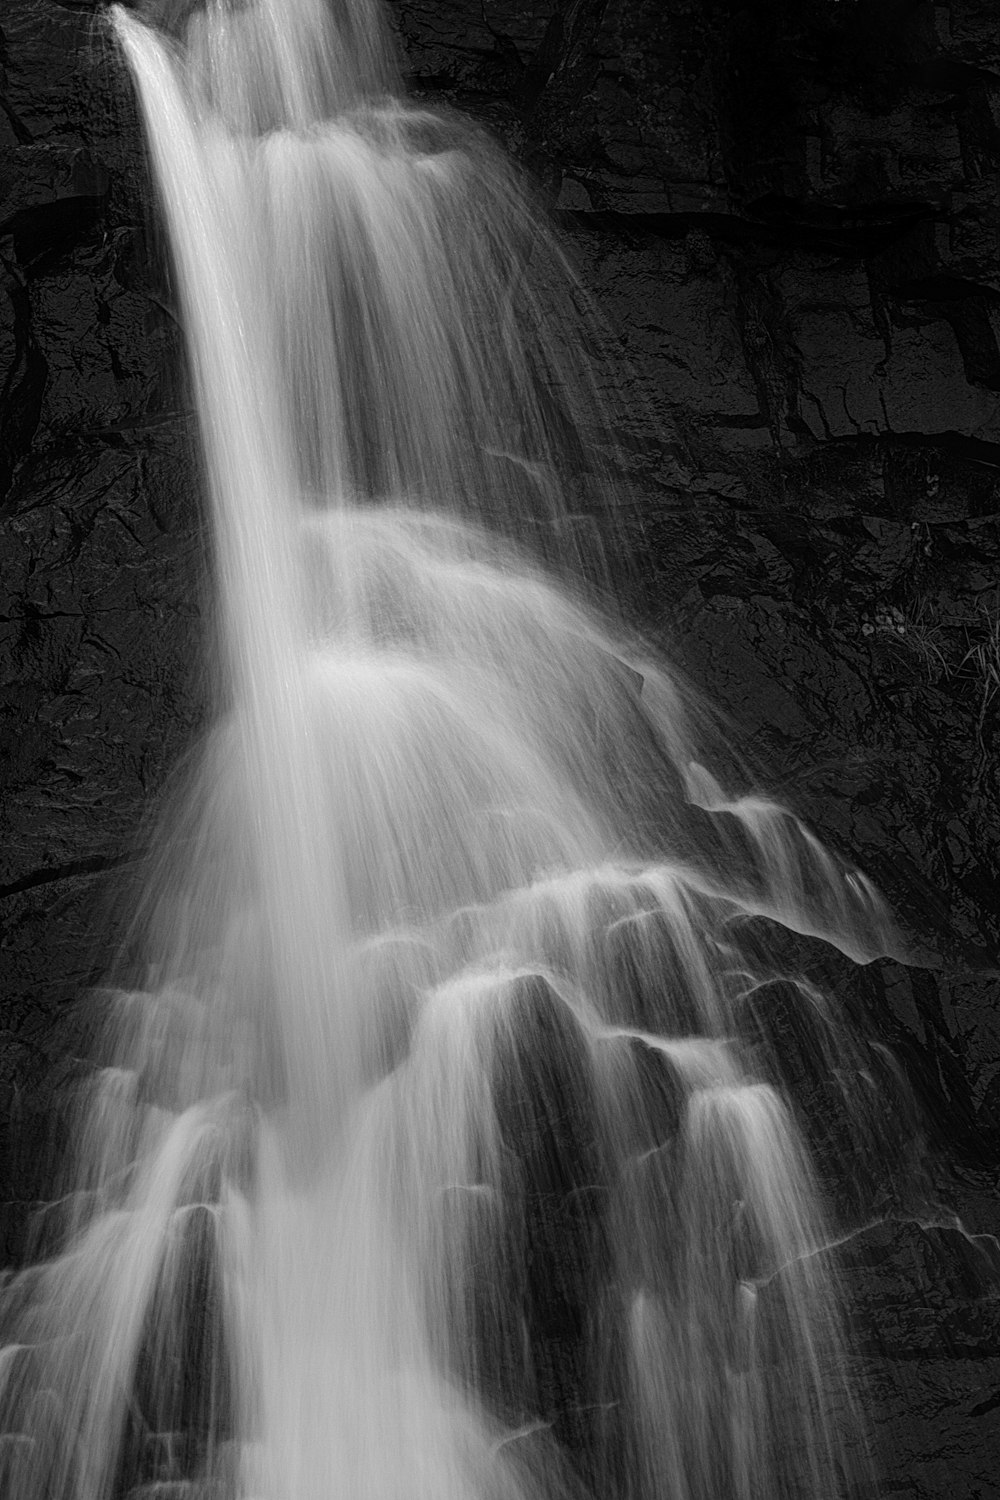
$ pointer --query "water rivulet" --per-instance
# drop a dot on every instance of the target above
(440, 1152)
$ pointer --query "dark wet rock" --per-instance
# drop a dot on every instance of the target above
(182, 1404)
(925, 1296)
(47, 185)
(936, 1431)
(482, 48)
(23, 368)
(94, 335)
(926, 1288)
(962, 34)
(652, 141)
(49, 50)
(91, 553)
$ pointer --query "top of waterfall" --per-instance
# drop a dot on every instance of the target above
(261, 65)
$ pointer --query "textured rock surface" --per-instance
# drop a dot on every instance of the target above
(789, 213)
(97, 540)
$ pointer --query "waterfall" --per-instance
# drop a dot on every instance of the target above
(440, 1151)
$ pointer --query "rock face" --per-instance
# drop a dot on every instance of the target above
(789, 215)
(97, 545)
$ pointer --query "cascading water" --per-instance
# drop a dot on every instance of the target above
(441, 1154)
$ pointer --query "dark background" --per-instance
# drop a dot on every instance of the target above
(789, 212)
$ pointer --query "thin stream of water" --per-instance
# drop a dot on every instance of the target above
(438, 1158)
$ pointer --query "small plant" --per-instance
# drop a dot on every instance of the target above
(913, 630)
(982, 660)
(926, 638)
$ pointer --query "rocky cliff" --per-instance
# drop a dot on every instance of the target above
(788, 212)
